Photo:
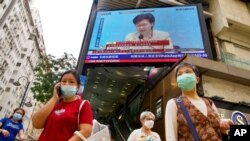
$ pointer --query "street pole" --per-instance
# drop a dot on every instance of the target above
(25, 92)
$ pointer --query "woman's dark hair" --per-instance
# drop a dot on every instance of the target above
(17, 110)
(147, 16)
(199, 87)
(74, 73)
(184, 64)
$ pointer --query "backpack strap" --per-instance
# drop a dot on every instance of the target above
(78, 115)
(179, 101)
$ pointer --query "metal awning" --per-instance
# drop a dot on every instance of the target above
(128, 4)
(131, 4)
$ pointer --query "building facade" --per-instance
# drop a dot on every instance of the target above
(21, 46)
(231, 29)
(225, 78)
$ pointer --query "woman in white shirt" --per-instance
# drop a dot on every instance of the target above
(144, 133)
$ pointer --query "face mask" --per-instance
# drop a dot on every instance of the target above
(186, 81)
(149, 124)
(68, 91)
(17, 116)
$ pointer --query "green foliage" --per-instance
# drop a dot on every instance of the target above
(48, 72)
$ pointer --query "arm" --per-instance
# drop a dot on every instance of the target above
(5, 133)
(86, 118)
(85, 130)
(21, 135)
(39, 118)
(132, 136)
(158, 137)
(2, 121)
(131, 37)
(170, 43)
(224, 123)
(171, 121)
(167, 37)
(127, 38)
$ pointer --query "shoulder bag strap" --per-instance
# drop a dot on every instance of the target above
(78, 115)
(187, 117)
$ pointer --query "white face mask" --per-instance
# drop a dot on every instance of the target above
(149, 124)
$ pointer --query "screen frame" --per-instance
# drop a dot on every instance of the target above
(86, 44)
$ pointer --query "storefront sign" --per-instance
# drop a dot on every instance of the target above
(239, 118)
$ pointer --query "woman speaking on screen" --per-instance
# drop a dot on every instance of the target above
(145, 31)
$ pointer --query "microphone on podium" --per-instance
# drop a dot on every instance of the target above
(141, 36)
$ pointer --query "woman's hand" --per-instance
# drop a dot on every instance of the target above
(5, 133)
(55, 91)
(225, 125)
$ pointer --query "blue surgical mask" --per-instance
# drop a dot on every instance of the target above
(186, 81)
(68, 91)
(17, 116)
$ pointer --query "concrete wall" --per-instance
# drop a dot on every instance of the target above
(236, 10)
(231, 26)
(232, 92)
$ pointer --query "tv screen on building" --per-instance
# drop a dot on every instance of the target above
(146, 35)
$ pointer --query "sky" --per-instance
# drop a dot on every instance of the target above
(64, 23)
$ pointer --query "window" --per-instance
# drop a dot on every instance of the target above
(15, 72)
(158, 108)
(1, 91)
(24, 49)
(11, 80)
(5, 28)
(22, 56)
(18, 64)
(7, 89)
(11, 21)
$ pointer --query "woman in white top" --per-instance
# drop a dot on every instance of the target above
(203, 113)
(144, 133)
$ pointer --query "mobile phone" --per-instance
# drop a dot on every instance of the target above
(59, 91)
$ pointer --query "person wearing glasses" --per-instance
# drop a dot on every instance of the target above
(145, 133)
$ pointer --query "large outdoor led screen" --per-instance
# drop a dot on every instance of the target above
(146, 35)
